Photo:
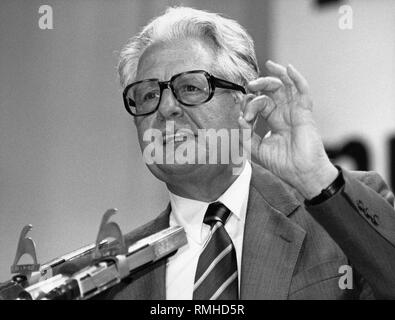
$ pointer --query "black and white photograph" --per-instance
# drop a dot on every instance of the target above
(197, 150)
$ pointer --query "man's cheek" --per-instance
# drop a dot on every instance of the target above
(143, 130)
(151, 145)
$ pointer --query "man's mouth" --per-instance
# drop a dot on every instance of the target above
(179, 136)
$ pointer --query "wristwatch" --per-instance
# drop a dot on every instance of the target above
(328, 192)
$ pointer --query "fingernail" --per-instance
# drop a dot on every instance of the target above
(248, 117)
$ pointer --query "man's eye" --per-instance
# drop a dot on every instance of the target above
(150, 95)
(188, 88)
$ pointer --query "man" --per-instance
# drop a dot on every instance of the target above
(289, 226)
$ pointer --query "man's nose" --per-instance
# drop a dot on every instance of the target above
(169, 107)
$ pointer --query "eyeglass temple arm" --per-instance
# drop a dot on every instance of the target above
(220, 83)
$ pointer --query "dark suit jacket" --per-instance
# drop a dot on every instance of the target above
(294, 252)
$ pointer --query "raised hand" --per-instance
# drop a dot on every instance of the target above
(294, 150)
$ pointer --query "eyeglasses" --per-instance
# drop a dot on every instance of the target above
(190, 88)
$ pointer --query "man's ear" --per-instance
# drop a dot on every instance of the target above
(236, 98)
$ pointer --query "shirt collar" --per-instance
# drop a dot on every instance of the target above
(232, 198)
(189, 213)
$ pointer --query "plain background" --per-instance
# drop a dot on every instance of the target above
(68, 149)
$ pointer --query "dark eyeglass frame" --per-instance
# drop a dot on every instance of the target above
(213, 82)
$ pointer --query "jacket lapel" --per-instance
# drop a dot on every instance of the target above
(272, 242)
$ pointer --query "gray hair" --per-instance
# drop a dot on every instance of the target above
(232, 45)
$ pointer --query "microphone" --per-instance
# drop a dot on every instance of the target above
(74, 283)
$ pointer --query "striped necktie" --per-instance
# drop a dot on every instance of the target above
(216, 274)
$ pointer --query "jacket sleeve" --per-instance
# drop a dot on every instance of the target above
(361, 219)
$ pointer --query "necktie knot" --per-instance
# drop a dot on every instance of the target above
(216, 211)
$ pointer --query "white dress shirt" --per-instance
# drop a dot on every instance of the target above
(188, 213)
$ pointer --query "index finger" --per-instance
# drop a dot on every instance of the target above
(268, 84)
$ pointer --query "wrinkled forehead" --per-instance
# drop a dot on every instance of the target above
(163, 59)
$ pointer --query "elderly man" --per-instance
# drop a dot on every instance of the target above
(289, 224)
